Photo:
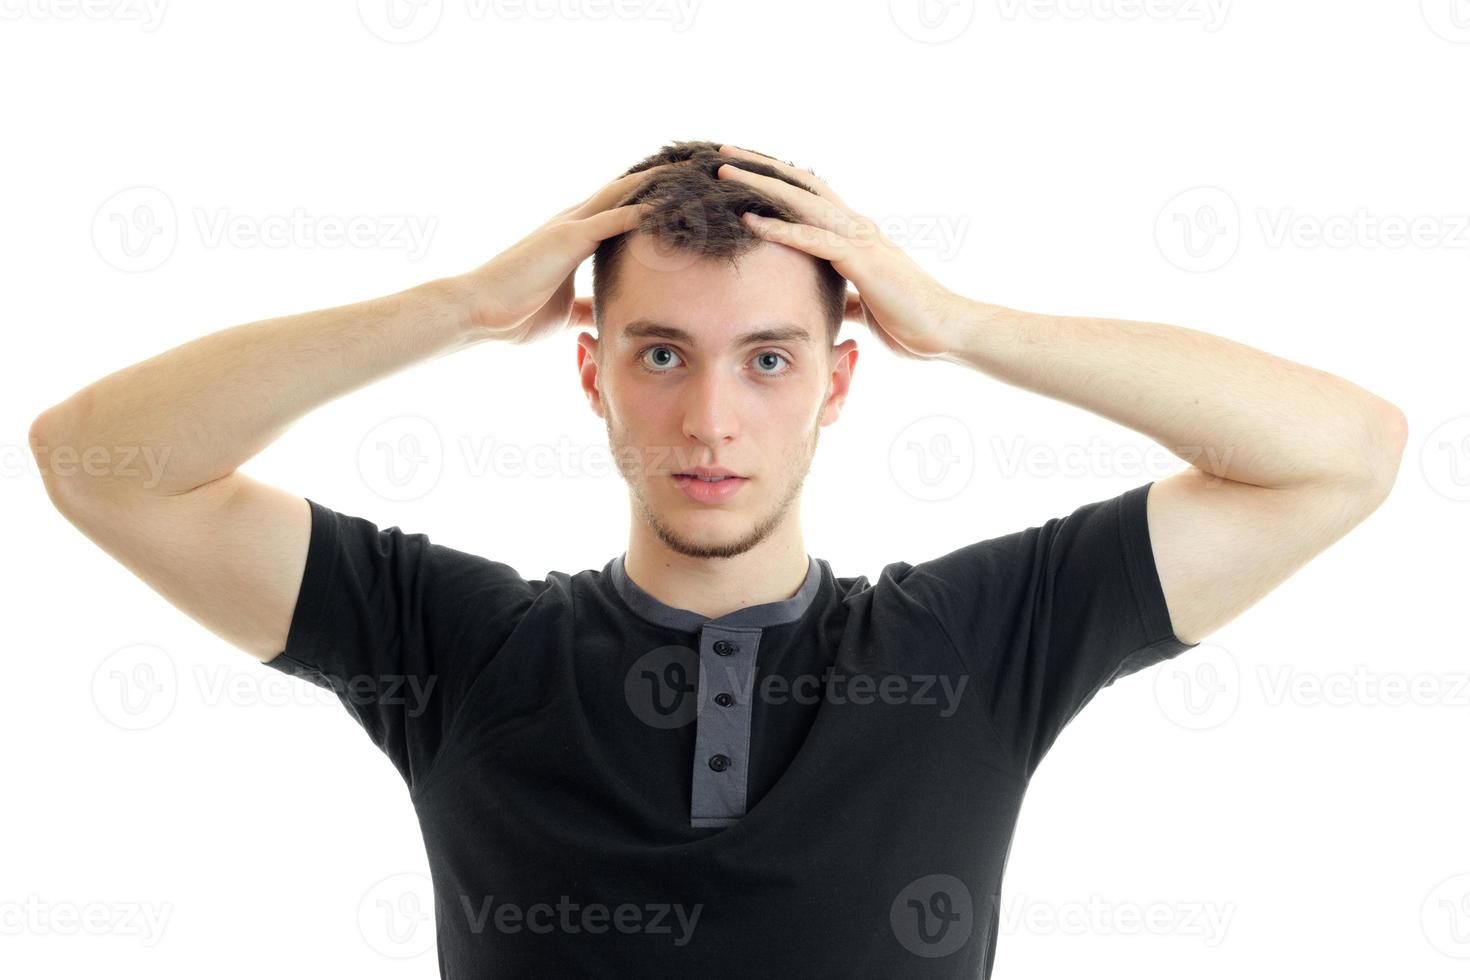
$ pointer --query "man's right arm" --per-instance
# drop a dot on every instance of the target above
(231, 551)
(224, 548)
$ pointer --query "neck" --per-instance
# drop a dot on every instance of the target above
(771, 571)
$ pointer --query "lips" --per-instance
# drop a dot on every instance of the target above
(715, 488)
(709, 473)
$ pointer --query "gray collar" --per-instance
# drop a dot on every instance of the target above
(764, 614)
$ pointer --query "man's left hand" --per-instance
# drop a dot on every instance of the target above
(906, 308)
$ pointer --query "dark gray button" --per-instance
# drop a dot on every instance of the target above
(719, 763)
(724, 700)
(724, 647)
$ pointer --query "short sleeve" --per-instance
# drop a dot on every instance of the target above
(398, 628)
(1048, 616)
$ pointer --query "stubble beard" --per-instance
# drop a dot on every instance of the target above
(794, 476)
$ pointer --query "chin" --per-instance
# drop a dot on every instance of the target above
(703, 521)
(702, 529)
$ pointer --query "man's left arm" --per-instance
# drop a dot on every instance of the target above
(1285, 459)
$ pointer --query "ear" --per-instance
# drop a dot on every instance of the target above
(587, 370)
(844, 362)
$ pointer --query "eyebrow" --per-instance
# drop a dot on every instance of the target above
(643, 328)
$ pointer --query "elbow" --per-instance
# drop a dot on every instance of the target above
(1390, 435)
(52, 447)
(41, 439)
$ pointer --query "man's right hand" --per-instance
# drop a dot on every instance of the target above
(529, 291)
(228, 550)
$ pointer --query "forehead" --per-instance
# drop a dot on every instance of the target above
(767, 294)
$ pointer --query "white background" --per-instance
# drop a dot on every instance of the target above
(1269, 803)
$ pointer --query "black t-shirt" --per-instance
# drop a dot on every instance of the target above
(822, 786)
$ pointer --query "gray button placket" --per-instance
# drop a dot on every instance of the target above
(727, 657)
(728, 648)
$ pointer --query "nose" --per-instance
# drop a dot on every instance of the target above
(709, 409)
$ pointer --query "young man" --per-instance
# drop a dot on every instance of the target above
(714, 757)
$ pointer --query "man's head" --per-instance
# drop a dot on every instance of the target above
(714, 348)
(695, 214)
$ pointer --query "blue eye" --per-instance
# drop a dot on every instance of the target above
(663, 366)
(662, 347)
(776, 354)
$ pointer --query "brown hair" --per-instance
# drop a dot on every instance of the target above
(696, 211)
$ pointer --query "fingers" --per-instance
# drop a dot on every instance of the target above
(617, 190)
(811, 208)
(555, 251)
(820, 242)
(805, 176)
(577, 239)
(614, 221)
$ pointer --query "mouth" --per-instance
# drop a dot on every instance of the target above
(709, 486)
(710, 474)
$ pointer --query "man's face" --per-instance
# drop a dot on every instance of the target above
(680, 385)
